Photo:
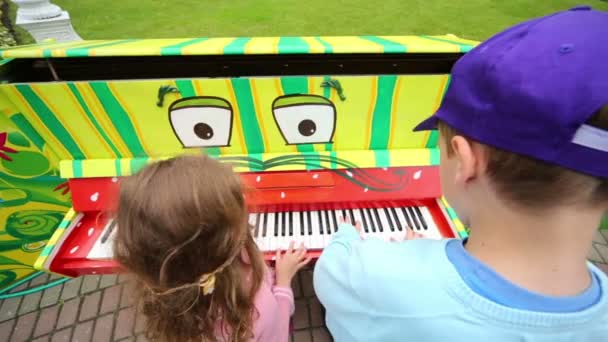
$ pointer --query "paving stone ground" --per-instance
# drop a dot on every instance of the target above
(97, 308)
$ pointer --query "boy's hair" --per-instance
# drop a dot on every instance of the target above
(177, 220)
(531, 183)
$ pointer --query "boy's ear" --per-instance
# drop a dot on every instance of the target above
(468, 159)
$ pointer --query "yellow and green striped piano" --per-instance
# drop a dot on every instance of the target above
(318, 125)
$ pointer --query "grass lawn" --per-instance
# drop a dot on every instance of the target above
(474, 19)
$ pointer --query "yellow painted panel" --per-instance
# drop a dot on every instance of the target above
(59, 99)
(265, 91)
(262, 45)
(138, 99)
(102, 118)
(419, 96)
(353, 122)
(314, 45)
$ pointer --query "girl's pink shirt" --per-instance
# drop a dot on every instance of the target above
(275, 305)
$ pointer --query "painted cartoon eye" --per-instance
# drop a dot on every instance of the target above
(201, 121)
(305, 119)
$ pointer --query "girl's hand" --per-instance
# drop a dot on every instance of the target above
(288, 264)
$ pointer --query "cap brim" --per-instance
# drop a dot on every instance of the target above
(427, 125)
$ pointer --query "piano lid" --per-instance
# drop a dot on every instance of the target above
(244, 46)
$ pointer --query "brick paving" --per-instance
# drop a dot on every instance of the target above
(98, 309)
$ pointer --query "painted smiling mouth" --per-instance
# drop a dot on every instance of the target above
(348, 170)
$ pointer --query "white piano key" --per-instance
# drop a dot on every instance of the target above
(432, 231)
(102, 249)
(386, 227)
(316, 238)
(402, 219)
(325, 219)
(272, 240)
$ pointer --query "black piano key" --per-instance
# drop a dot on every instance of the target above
(407, 218)
(421, 218)
(265, 225)
(301, 218)
(257, 225)
(352, 216)
(414, 219)
(309, 223)
(328, 223)
(389, 220)
(335, 220)
(284, 224)
(396, 219)
(291, 223)
(321, 225)
(366, 225)
(344, 214)
(108, 231)
(372, 223)
(380, 228)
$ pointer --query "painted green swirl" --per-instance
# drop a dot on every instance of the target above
(33, 225)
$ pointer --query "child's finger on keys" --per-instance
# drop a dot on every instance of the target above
(290, 250)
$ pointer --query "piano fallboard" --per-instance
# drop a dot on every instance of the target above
(288, 190)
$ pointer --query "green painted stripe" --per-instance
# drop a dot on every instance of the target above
(50, 121)
(433, 139)
(119, 117)
(435, 156)
(333, 157)
(388, 45)
(64, 224)
(326, 45)
(48, 52)
(236, 47)
(84, 51)
(297, 85)
(293, 45)
(93, 120)
(381, 122)
(327, 95)
(451, 212)
(249, 120)
(176, 49)
(26, 128)
(46, 251)
(382, 158)
(137, 164)
(463, 47)
(77, 168)
(117, 167)
(186, 89)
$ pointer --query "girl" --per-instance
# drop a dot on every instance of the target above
(183, 233)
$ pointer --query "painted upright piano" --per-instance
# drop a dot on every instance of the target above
(318, 126)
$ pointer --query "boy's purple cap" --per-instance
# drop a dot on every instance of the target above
(530, 89)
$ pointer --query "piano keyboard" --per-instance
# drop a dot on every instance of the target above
(276, 230)
(315, 229)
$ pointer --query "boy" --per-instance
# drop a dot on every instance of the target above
(524, 162)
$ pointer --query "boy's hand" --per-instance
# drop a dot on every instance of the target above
(410, 234)
(288, 264)
(358, 225)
